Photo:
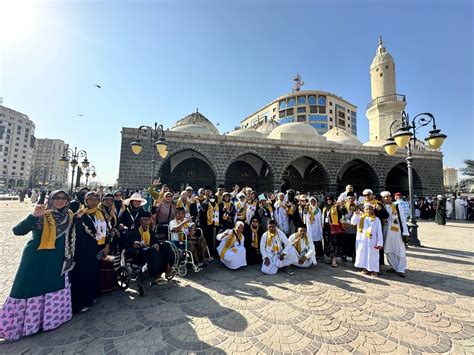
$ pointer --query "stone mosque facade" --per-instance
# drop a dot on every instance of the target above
(264, 156)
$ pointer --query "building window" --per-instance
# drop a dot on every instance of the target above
(281, 114)
(342, 123)
(330, 127)
(381, 74)
(341, 114)
(330, 111)
(289, 111)
(312, 100)
(301, 100)
(322, 100)
(301, 109)
(330, 119)
(291, 102)
(319, 118)
(274, 109)
(322, 109)
(348, 125)
(301, 118)
(313, 109)
(282, 105)
(330, 103)
(386, 67)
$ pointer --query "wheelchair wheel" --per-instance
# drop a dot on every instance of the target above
(141, 290)
(123, 278)
(182, 270)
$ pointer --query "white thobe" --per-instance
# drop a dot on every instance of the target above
(281, 217)
(449, 209)
(315, 228)
(393, 245)
(250, 213)
(236, 256)
(459, 209)
(279, 246)
(307, 250)
(367, 257)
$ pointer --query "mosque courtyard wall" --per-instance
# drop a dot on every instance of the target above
(205, 159)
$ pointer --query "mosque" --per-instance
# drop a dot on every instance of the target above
(288, 145)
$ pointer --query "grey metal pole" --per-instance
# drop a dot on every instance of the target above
(411, 222)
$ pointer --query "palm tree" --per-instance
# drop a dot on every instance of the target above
(469, 172)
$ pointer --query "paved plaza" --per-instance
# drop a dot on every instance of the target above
(321, 310)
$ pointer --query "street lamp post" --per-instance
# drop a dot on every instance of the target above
(405, 136)
(89, 171)
(157, 140)
(72, 157)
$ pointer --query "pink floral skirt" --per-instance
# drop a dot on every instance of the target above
(22, 317)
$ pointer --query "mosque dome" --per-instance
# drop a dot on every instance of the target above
(297, 132)
(248, 133)
(195, 119)
(267, 127)
(192, 128)
(341, 136)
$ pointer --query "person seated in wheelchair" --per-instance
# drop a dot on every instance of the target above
(178, 228)
(143, 247)
(197, 246)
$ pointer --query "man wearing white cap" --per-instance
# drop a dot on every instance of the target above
(394, 230)
(369, 240)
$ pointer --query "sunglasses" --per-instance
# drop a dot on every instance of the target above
(60, 198)
(366, 195)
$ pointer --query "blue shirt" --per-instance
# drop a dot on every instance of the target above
(404, 206)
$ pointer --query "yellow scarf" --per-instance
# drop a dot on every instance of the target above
(270, 206)
(146, 236)
(181, 233)
(219, 199)
(361, 224)
(312, 213)
(226, 206)
(230, 241)
(48, 236)
(270, 237)
(98, 216)
(210, 214)
(254, 236)
(394, 227)
(350, 206)
(241, 211)
(179, 204)
(333, 215)
(297, 243)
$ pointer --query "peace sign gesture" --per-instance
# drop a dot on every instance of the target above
(40, 211)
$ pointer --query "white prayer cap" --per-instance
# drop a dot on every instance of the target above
(385, 193)
(367, 191)
(439, 196)
(189, 188)
(241, 195)
(368, 204)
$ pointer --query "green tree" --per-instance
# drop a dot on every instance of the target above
(468, 171)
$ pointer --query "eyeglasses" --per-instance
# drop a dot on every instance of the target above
(60, 198)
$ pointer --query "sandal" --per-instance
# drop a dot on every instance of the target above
(365, 272)
(374, 274)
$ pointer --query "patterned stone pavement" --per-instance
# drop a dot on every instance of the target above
(321, 310)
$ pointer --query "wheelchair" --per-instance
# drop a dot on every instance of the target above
(184, 255)
(128, 271)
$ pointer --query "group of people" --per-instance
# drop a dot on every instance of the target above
(58, 275)
(454, 208)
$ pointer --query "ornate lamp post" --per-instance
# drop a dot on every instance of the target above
(405, 136)
(72, 157)
(89, 171)
(157, 141)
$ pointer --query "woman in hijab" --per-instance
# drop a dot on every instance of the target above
(40, 297)
(91, 232)
(130, 218)
(331, 223)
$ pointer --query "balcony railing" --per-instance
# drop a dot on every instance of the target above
(386, 98)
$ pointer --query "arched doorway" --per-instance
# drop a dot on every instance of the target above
(187, 167)
(359, 174)
(249, 170)
(306, 174)
(397, 180)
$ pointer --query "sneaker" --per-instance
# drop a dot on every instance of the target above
(289, 271)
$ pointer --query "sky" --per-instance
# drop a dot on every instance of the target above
(157, 61)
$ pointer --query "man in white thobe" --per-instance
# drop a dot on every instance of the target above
(394, 228)
(459, 208)
(281, 213)
(314, 226)
(276, 250)
(231, 249)
(449, 208)
(304, 247)
(369, 240)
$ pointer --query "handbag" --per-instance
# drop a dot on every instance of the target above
(337, 228)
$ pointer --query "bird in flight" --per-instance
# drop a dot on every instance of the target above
(98, 86)
(80, 115)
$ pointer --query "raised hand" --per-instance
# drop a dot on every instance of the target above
(156, 182)
(40, 211)
(80, 213)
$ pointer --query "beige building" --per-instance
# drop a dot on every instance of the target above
(17, 144)
(46, 168)
(320, 109)
(450, 177)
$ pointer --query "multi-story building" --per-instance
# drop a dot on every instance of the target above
(450, 177)
(17, 144)
(320, 109)
(46, 169)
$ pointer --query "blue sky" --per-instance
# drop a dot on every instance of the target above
(159, 60)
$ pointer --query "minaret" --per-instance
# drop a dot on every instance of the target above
(386, 105)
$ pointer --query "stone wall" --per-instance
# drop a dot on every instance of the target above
(221, 151)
